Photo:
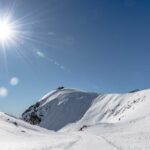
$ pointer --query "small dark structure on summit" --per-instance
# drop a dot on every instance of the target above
(133, 91)
(60, 88)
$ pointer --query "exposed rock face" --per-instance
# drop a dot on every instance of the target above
(33, 118)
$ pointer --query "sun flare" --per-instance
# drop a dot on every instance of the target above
(7, 31)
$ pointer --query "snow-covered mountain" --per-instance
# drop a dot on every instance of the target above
(107, 122)
(59, 108)
(64, 107)
(116, 108)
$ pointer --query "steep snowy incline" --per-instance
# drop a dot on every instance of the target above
(59, 108)
(71, 108)
(115, 108)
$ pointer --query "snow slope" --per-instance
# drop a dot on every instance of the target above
(59, 107)
(16, 134)
(115, 108)
(111, 122)
(132, 135)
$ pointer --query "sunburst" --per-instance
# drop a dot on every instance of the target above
(8, 31)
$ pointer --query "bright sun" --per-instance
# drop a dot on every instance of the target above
(7, 31)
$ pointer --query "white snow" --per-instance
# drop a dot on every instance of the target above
(60, 107)
(18, 135)
(111, 122)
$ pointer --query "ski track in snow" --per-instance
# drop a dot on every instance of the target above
(111, 143)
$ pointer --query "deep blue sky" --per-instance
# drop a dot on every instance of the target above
(94, 45)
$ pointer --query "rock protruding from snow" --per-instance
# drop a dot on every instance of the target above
(59, 108)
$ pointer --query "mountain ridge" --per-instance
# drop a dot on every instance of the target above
(59, 108)
(66, 105)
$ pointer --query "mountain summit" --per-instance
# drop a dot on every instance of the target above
(59, 108)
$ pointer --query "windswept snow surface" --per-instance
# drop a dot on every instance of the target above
(59, 107)
(18, 135)
(110, 122)
(115, 108)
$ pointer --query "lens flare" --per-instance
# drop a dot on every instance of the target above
(7, 31)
